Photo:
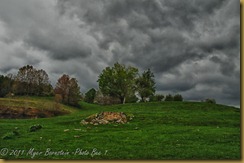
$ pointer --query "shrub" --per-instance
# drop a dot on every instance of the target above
(178, 97)
(211, 101)
(156, 98)
(104, 99)
(10, 95)
(58, 98)
(132, 99)
(109, 100)
(35, 128)
(169, 97)
(10, 135)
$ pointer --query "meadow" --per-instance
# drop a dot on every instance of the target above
(158, 131)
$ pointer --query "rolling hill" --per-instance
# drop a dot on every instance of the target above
(158, 131)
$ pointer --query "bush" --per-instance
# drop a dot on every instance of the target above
(109, 100)
(156, 98)
(169, 97)
(178, 97)
(211, 101)
(105, 100)
(132, 99)
(35, 128)
(58, 98)
(10, 135)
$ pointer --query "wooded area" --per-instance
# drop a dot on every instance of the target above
(117, 84)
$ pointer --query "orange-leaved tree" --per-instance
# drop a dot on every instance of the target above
(68, 89)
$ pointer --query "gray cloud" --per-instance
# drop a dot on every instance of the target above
(60, 45)
(192, 46)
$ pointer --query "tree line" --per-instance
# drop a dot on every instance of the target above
(117, 84)
(30, 81)
(120, 84)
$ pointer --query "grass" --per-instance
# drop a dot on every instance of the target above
(32, 107)
(158, 131)
(35, 102)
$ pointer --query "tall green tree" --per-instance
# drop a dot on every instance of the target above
(145, 85)
(68, 89)
(118, 81)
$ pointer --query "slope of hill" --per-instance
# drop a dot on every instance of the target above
(31, 107)
(166, 130)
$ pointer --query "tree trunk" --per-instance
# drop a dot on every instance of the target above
(122, 100)
(142, 99)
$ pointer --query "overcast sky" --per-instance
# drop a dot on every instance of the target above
(191, 46)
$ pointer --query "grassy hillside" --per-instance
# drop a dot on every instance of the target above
(166, 130)
(31, 107)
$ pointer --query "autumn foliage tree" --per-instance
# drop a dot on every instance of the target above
(30, 81)
(42, 83)
(68, 89)
(24, 81)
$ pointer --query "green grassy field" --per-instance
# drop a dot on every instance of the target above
(165, 131)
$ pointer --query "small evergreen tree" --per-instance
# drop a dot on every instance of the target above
(90, 95)
(145, 85)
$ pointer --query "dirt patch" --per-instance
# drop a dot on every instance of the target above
(106, 117)
(24, 113)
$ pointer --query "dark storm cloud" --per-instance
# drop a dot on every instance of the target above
(192, 46)
(157, 31)
(44, 29)
(58, 45)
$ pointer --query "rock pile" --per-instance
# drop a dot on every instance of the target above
(105, 118)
